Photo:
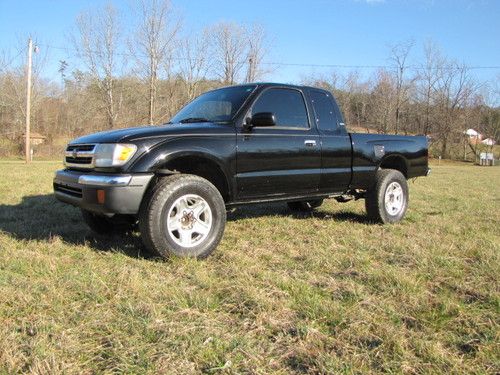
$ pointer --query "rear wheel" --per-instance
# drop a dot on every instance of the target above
(387, 200)
(183, 215)
(305, 206)
(108, 225)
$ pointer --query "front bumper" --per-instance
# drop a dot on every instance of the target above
(101, 193)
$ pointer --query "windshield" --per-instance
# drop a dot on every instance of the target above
(215, 106)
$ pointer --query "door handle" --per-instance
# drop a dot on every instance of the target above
(310, 143)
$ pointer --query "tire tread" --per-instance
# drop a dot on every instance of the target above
(156, 195)
(374, 206)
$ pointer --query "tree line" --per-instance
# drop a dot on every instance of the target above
(121, 75)
(438, 97)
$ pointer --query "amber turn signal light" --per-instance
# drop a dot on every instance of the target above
(101, 195)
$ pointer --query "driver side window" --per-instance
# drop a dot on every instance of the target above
(287, 105)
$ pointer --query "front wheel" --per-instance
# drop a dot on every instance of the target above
(182, 215)
(387, 200)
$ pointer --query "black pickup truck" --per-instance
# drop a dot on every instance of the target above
(232, 146)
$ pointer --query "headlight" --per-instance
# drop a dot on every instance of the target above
(113, 155)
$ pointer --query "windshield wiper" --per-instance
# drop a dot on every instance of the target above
(194, 119)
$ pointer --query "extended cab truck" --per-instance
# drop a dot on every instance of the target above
(233, 146)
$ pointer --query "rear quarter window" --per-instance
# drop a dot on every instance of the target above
(324, 111)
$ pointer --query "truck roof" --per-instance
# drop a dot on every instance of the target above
(270, 84)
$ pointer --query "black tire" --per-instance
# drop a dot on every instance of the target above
(305, 206)
(158, 204)
(109, 225)
(375, 201)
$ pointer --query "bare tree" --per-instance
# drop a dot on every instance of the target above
(13, 87)
(399, 57)
(97, 42)
(383, 101)
(428, 76)
(358, 98)
(257, 50)
(3, 61)
(455, 88)
(228, 44)
(194, 63)
(12, 94)
(153, 44)
(495, 92)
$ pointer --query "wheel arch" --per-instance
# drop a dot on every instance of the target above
(395, 161)
(200, 164)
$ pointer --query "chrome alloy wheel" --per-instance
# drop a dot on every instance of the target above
(394, 198)
(189, 220)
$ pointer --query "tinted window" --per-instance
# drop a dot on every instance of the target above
(325, 111)
(287, 105)
(218, 105)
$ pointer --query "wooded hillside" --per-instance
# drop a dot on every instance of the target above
(118, 76)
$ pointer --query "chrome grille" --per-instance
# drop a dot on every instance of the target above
(80, 147)
(80, 156)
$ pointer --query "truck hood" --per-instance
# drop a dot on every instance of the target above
(137, 133)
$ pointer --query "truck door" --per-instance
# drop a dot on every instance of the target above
(279, 160)
(336, 144)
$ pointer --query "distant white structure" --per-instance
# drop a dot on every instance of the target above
(471, 133)
(488, 142)
(474, 136)
(486, 158)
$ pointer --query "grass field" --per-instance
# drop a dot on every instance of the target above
(321, 293)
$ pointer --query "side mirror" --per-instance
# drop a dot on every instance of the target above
(263, 119)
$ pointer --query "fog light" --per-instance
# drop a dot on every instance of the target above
(100, 196)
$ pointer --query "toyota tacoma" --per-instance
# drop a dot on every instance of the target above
(233, 146)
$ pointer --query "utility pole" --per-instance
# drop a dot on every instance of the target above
(28, 101)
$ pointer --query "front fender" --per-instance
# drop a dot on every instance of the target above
(220, 149)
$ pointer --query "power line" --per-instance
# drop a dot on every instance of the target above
(306, 65)
(76, 51)
(5, 66)
(178, 58)
(373, 66)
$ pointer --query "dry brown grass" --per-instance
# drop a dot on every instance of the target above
(324, 293)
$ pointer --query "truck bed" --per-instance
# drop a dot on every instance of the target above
(370, 150)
